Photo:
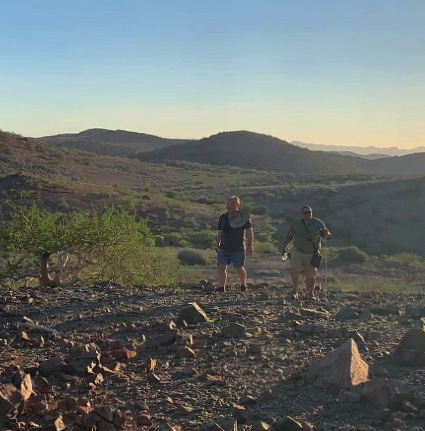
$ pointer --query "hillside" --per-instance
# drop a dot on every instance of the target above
(256, 151)
(110, 142)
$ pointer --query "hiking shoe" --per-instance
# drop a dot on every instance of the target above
(243, 288)
(220, 289)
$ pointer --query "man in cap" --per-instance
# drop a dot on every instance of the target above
(233, 227)
(305, 234)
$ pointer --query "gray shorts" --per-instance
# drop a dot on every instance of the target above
(227, 257)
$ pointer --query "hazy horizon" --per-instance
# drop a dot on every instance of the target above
(331, 73)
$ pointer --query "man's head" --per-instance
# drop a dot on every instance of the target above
(306, 212)
(233, 204)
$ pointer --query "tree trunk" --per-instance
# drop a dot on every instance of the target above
(44, 278)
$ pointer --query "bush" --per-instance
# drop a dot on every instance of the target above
(353, 254)
(265, 248)
(203, 239)
(112, 246)
(191, 257)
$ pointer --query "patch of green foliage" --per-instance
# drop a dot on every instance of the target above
(191, 257)
(114, 245)
(352, 254)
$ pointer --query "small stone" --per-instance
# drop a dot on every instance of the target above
(144, 419)
(123, 354)
(346, 313)
(227, 424)
(287, 424)
(185, 352)
(240, 414)
(56, 363)
(234, 330)
(55, 424)
(192, 314)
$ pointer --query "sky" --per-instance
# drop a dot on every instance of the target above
(339, 72)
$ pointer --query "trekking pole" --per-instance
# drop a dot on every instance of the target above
(326, 269)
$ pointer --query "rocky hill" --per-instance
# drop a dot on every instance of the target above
(255, 151)
(110, 142)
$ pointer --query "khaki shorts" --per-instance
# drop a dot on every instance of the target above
(301, 262)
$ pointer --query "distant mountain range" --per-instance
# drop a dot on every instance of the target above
(369, 152)
(243, 149)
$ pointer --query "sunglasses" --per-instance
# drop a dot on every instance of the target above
(307, 212)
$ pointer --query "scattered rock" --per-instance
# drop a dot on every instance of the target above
(342, 367)
(234, 330)
(315, 314)
(240, 414)
(286, 423)
(227, 424)
(123, 354)
(185, 352)
(54, 424)
(411, 350)
(10, 400)
(305, 329)
(56, 363)
(259, 426)
(192, 314)
(383, 393)
(346, 313)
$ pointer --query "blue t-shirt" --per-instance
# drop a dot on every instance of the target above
(232, 239)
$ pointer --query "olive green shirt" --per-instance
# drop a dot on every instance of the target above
(299, 235)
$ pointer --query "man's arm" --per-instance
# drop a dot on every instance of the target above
(289, 237)
(218, 239)
(249, 241)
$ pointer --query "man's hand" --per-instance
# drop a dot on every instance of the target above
(326, 234)
(249, 250)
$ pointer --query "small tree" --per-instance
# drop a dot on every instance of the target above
(101, 239)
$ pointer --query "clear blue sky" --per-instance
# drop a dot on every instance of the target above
(328, 71)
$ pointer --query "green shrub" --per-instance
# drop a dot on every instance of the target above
(176, 239)
(408, 259)
(265, 248)
(353, 254)
(191, 257)
(203, 239)
(113, 246)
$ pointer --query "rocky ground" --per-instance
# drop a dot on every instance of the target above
(107, 358)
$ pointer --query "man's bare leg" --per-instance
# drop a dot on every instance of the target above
(222, 277)
(309, 284)
(295, 276)
(242, 275)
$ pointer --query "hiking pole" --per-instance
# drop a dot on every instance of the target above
(326, 269)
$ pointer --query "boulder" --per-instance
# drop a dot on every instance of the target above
(342, 367)
(191, 314)
(385, 393)
(411, 349)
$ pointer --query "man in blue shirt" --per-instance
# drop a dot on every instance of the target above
(305, 234)
(233, 227)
